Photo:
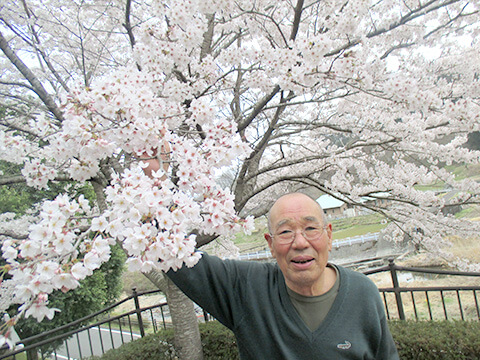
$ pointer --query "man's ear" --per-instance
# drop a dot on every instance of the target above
(269, 239)
(329, 231)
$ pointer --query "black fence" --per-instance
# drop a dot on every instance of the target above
(457, 302)
(105, 331)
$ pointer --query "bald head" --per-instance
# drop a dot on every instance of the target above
(289, 203)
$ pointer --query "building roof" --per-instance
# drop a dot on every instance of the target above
(329, 202)
(378, 196)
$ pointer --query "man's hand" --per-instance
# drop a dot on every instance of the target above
(156, 160)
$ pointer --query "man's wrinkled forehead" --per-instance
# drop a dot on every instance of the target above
(291, 222)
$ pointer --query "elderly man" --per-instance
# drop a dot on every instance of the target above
(300, 308)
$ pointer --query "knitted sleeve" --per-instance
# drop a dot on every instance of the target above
(216, 286)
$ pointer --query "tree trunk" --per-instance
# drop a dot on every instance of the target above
(32, 354)
(188, 344)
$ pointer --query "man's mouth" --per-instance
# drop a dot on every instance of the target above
(302, 260)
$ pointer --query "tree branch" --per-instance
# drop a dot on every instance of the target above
(421, 10)
(13, 235)
(12, 126)
(296, 19)
(258, 109)
(251, 164)
(18, 179)
(207, 37)
(127, 25)
(35, 44)
(19, 84)
(31, 78)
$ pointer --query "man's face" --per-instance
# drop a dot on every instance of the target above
(302, 262)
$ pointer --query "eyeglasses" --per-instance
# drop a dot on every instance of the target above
(310, 233)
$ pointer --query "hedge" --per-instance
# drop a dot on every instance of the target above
(427, 340)
(218, 343)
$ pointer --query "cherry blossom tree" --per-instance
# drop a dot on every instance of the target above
(354, 98)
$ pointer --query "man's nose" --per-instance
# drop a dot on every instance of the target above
(299, 240)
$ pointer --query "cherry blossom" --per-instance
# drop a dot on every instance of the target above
(343, 98)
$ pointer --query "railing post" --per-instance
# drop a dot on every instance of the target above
(396, 289)
(138, 312)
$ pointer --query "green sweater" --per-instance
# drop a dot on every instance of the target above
(251, 299)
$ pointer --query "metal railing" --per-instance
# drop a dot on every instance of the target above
(105, 331)
(356, 240)
(429, 302)
(258, 255)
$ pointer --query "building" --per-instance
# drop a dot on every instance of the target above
(333, 207)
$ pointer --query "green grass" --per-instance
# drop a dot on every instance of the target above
(465, 171)
(256, 240)
(360, 221)
(431, 187)
(134, 328)
(357, 226)
(21, 356)
(460, 172)
(357, 231)
(470, 212)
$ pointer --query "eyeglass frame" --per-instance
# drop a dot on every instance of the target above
(294, 235)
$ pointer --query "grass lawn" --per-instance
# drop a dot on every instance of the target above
(357, 231)
(21, 356)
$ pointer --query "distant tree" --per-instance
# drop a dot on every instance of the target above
(473, 142)
(18, 197)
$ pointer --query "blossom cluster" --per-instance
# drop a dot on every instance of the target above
(154, 219)
(55, 256)
(13, 148)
